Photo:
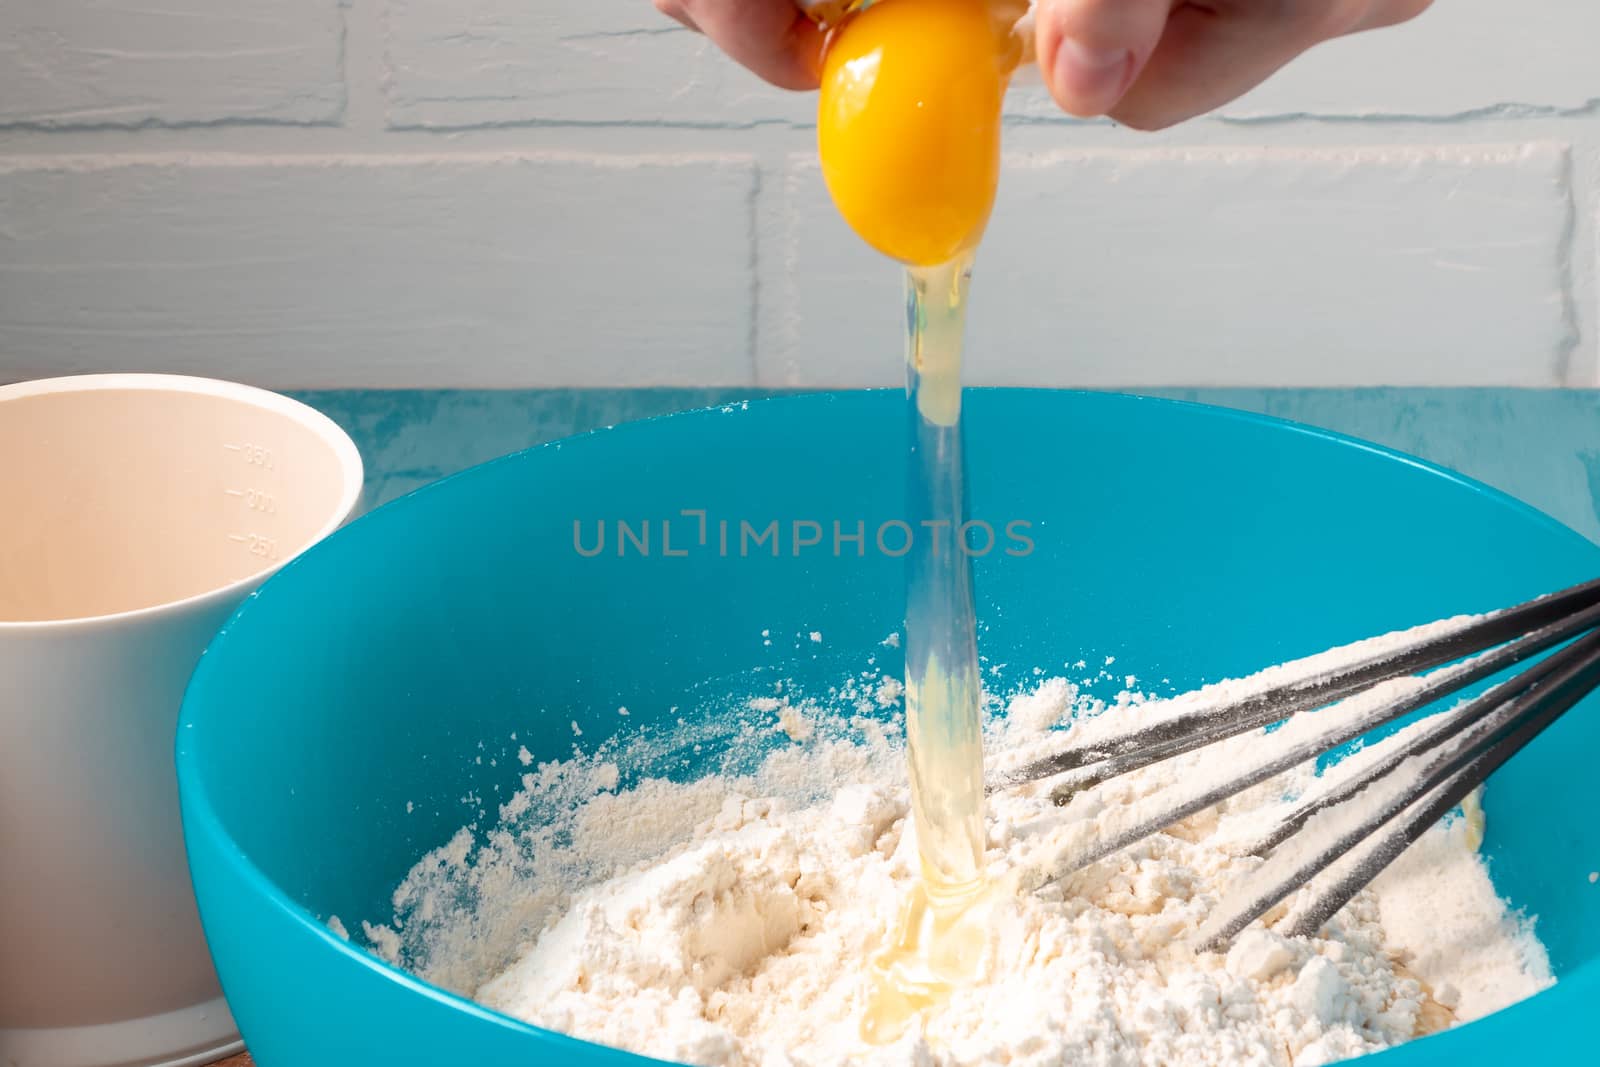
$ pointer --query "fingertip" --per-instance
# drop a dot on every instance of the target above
(1087, 81)
(807, 43)
(793, 59)
(771, 38)
(1090, 51)
(675, 11)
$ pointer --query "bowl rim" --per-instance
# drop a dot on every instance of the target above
(196, 798)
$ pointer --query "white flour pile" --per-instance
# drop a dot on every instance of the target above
(728, 920)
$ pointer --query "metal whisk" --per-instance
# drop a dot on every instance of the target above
(1363, 820)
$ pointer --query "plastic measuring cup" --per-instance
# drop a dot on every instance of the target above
(136, 512)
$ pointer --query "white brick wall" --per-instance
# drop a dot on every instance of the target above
(525, 192)
(99, 63)
(390, 269)
(1449, 276)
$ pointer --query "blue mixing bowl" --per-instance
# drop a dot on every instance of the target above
(1191, 543)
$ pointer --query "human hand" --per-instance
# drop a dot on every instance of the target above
(773, 38)
(1153, 63)
(1145, 63)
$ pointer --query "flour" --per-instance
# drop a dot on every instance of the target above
(1444, 918)
(727, 920)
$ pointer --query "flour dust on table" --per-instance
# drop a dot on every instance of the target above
(728, 917)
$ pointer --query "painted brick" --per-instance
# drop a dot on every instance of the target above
(130, 62)
(1460, 57)
(1396, 266)
(502, 270)
(494, 62)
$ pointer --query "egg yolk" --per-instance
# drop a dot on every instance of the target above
(909, 124)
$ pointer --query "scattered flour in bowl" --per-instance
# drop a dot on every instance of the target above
(727, 920)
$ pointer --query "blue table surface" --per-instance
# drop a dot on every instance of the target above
(1540, 445)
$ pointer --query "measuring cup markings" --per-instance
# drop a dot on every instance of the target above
(258, 500)
(253, 454)
(257, 544)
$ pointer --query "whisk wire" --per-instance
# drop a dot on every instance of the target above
(1501, 658)
(1430, 809)
(1478, 742)
(1554, 617)
(1338, 839)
